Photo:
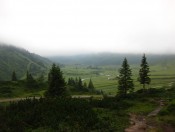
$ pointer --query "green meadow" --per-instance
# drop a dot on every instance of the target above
(105, 77)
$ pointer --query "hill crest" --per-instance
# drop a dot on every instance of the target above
(20, 60)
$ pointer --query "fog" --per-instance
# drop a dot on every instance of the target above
(67, 27)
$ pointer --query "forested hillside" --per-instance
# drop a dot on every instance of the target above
(112, 59)
(20, 60)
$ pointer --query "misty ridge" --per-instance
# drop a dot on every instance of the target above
(103, 58)
(18, 59)
(112, 59)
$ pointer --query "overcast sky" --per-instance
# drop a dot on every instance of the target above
(50, 27)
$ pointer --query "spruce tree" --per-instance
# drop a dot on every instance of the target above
(30, 81)
(56, 83)
(80, 84)
(76, 83)
(144, 72)
(91, 85)
(14, 78)
(69, 82)
(73, 83)
(125, 82)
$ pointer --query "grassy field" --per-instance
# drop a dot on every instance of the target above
(104, 77)
(11, 89)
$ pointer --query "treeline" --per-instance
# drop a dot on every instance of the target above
(72, 85)
(57, 84)
(30, 81)
(78, 85)
(17, 87)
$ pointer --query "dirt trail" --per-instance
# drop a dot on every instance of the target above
(156, 111)
(16, 99)
(138, 123)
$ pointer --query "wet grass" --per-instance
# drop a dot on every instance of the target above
(104, 77)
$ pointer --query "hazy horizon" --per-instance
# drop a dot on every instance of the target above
(67, 27)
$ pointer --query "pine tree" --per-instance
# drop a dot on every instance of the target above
(80, 84)
(73, 83)
(27, 75)
(76, 83)
(69, 82)
(144, 72)
(14, 78)
(91, 85)
(30, 81)
(125, 82)
(56, 86)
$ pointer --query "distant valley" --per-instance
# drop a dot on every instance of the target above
(112, 59)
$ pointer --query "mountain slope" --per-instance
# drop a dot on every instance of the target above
(20, 60)
(113, 59)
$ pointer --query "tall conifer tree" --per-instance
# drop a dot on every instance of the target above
(144, 72)
(14, 78)
(30, 81)
(80, 84)
(91, 85)
(56, 83)
(125, 82)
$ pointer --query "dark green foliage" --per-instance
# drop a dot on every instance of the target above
(125, 82)
(57, 114)
(71, 82)
(63, 114)
(12, 89)
(144, 72)
(171, 108)
(56, 83)
(42, 83)
(111, 103)
(85, 85)
(14, 78)
(91, 85)
(6, 91)
(77, 84)
(30, 81)
(40, 79)
(167, 114)
(80, 83)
